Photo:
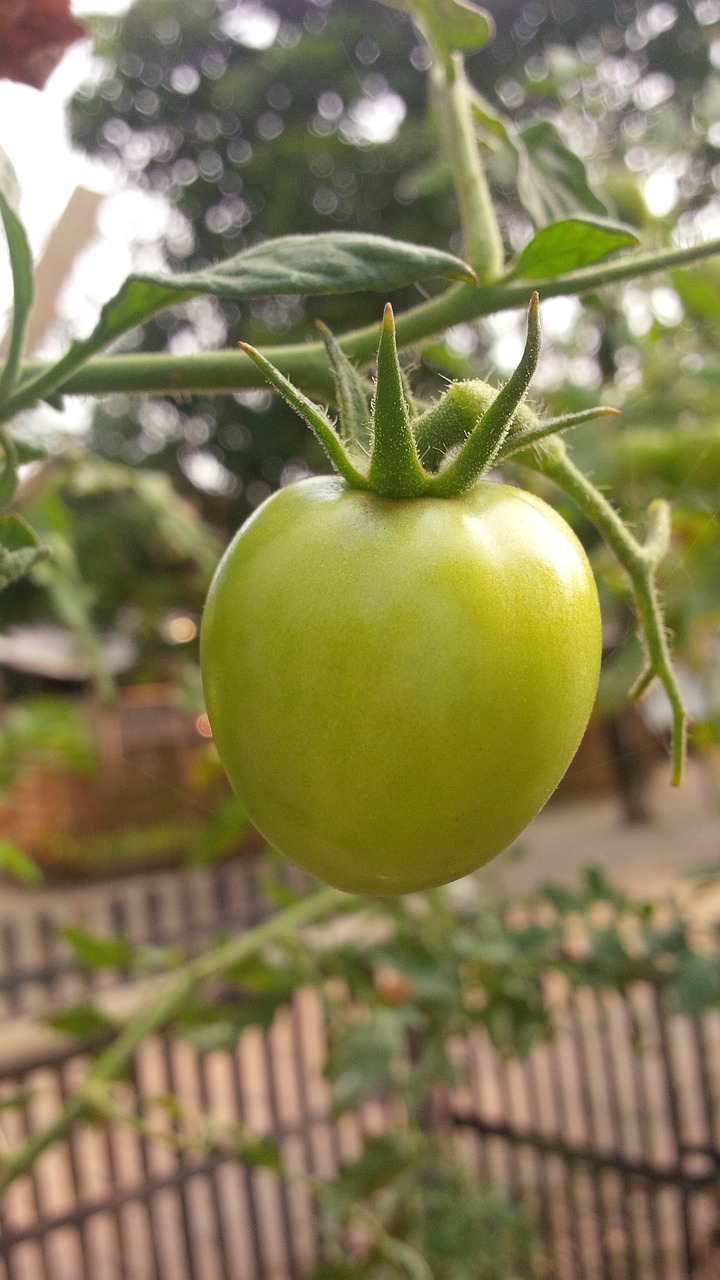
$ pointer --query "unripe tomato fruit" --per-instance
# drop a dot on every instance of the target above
(396, 687)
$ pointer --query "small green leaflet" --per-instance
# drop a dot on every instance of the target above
(96, 952)
(566, 246)
(20, 550)
(15, 863)
(22, 269)
(332, 262)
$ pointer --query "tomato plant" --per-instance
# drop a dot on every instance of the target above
(396, 684)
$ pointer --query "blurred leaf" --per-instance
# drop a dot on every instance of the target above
(221, 835)
(29, 450)
(552, 180)
(172, 518)
(383, 1158)
(340, 1271)
(20, 549)
(258, 976)
(432, 978)
(259, 1153)
(599, 888)
(22, 268)
(566, 246)
(219, 1024)
(329, 262)
(18, 1100)
(279, 894)
(452, 25)
(680, 458)
(83, 1021)
(562, 899)
(699, 292)
(95, 952)
(359, 1060)
(15, 863)
(45, 731)
(697, 983)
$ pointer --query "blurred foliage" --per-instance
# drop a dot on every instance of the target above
(42, 733)
(403, 983)
(129, 554)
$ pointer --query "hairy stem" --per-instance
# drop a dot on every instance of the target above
(482, 242)
(307, 363)
(640, 562)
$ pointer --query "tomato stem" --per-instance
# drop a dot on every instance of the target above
(640, 563)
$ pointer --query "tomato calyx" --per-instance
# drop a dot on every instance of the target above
(441, 451)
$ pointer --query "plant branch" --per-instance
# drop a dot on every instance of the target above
(159, 1011)
(307, 363)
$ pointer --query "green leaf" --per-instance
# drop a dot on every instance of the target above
(22, 270)
(96, 952)
(360, 1059)
(453, 26)
(259, 1153)
(552, 181)
(13, 862)
(20, 549)
(382, 1160)
(279, 894)
(219, 1025)
(699, 292)
(566, 246)
(29, 451)
(221, 834)
(697, 983)
(331, 262)
(82, 1021)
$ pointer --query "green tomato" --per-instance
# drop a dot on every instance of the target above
(396, 687)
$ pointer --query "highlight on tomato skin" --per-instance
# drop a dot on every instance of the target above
(397, 687)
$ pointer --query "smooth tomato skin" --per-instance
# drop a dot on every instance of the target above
(397, 687)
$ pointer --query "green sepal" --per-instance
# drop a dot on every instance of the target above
(395, 470)
(485, 441)
(553, 427)
(318, 422)
(354, 418)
